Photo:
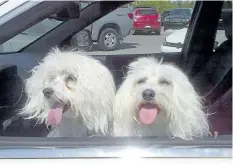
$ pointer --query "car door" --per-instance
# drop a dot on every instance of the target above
(196, 45)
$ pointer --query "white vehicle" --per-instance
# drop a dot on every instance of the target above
(174, 42)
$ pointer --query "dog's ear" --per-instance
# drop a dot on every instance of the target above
(187, 117)
(123, 108)
(33, 89)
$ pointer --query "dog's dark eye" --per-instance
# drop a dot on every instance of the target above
(143, 80)
(71, 78)
(164, 82)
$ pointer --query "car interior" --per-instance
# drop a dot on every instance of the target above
(210, 72)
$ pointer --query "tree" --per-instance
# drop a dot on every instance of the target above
(164, 5)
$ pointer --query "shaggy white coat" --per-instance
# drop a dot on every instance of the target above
(181, 111)
(90, 96)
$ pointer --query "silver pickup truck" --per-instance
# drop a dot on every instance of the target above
(107, 32)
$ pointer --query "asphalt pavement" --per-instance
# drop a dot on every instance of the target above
(135, 44)
(140, 43)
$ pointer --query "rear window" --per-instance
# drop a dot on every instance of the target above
(147, 12)
(180, 12)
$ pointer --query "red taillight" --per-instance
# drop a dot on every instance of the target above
(130, 15)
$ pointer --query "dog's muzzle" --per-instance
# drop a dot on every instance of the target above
(148, 94)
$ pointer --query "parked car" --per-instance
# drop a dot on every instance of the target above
(174, 42)
(147, 19)
(108, 32)
(178, 18)
(164, 15)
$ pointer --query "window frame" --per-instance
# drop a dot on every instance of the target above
(106, 147)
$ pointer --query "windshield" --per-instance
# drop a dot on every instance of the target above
(166, 13)
(126, 79)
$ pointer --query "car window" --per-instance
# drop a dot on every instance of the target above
(33, 33)
(146, 12)
(29, 35)
(84, 4)
(121, 33)
(132, 28)
(165, 13)
(224, 26)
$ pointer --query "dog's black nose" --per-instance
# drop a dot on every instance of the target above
(148, 94)
(48, 92)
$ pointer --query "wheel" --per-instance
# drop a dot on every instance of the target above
(82, 40)
(109, 39)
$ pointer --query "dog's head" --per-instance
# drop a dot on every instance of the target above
(152, 88)
(71, 84)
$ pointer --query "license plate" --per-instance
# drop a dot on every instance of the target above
(147, 26)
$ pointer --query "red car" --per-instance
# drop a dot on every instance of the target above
(147, 19)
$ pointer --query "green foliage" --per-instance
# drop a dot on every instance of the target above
(164, 5)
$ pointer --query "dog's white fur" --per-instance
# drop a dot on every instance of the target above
(90, 97)
(181, 108)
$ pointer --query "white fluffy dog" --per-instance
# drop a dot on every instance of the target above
(157, 99)
(72, 92)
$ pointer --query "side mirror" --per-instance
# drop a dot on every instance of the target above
(215, 45)
(70, 11)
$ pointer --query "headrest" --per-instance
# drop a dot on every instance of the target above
(8, 70)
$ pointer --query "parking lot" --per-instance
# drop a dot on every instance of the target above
(144, 43)
(136, 44)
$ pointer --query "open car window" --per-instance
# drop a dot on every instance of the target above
(33, 33)
(115, 36)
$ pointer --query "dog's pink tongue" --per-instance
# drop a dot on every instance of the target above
(55, 116)
(148, 113)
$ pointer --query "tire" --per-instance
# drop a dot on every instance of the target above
(105, 45)
(82, 40)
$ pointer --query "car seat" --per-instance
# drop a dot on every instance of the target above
(216, 84)
(218, 65)
(221, 119)
(12, 98)
(11, 92)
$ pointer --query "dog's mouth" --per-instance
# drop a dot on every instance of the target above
(148, 113)
(56, 113)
